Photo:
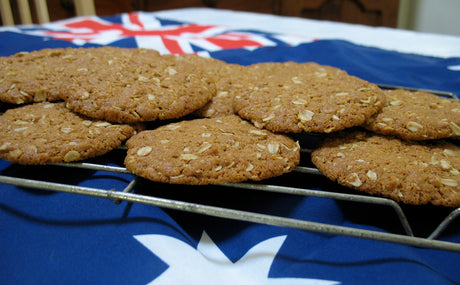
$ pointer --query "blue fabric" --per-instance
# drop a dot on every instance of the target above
(60, 238)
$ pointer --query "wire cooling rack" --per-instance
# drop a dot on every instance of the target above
(407, 237)
(126, 194)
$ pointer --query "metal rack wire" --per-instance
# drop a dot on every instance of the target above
(127, 194)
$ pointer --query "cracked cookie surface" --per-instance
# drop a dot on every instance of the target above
(134, 85)
(416, 116)
(305, 97)
(46, 132)
(407, 171)
(210, 151)
(227, 78)
(36, 76)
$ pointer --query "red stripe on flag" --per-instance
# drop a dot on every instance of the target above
(134, 19)
(231, 44)
(172, 46)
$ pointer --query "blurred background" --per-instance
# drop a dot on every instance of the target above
(432, 16)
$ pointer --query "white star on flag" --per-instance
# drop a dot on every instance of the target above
(207, 264)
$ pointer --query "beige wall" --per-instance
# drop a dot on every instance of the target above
(432, 16)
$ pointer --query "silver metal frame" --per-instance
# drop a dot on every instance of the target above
(126, 195)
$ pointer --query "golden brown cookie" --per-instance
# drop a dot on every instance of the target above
(32, 76)
(134, 85)
(416, 116)
(407, 171)
(44, 133)
(227, 78)
(227, 86)
(296, 97)
(210, 151)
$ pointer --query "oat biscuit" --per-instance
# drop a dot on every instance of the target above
(134, 85)
(407, 171)
(210, 151)
(46, 132)
(416, 116)
(32, 76)
(227, 78)
(227, 86)
(293, 97)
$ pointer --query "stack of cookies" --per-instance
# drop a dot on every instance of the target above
(402, 152)
(231, 123)
(79, 103)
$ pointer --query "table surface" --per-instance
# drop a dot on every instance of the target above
(57, 237)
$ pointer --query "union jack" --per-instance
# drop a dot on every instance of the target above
(148, 31)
